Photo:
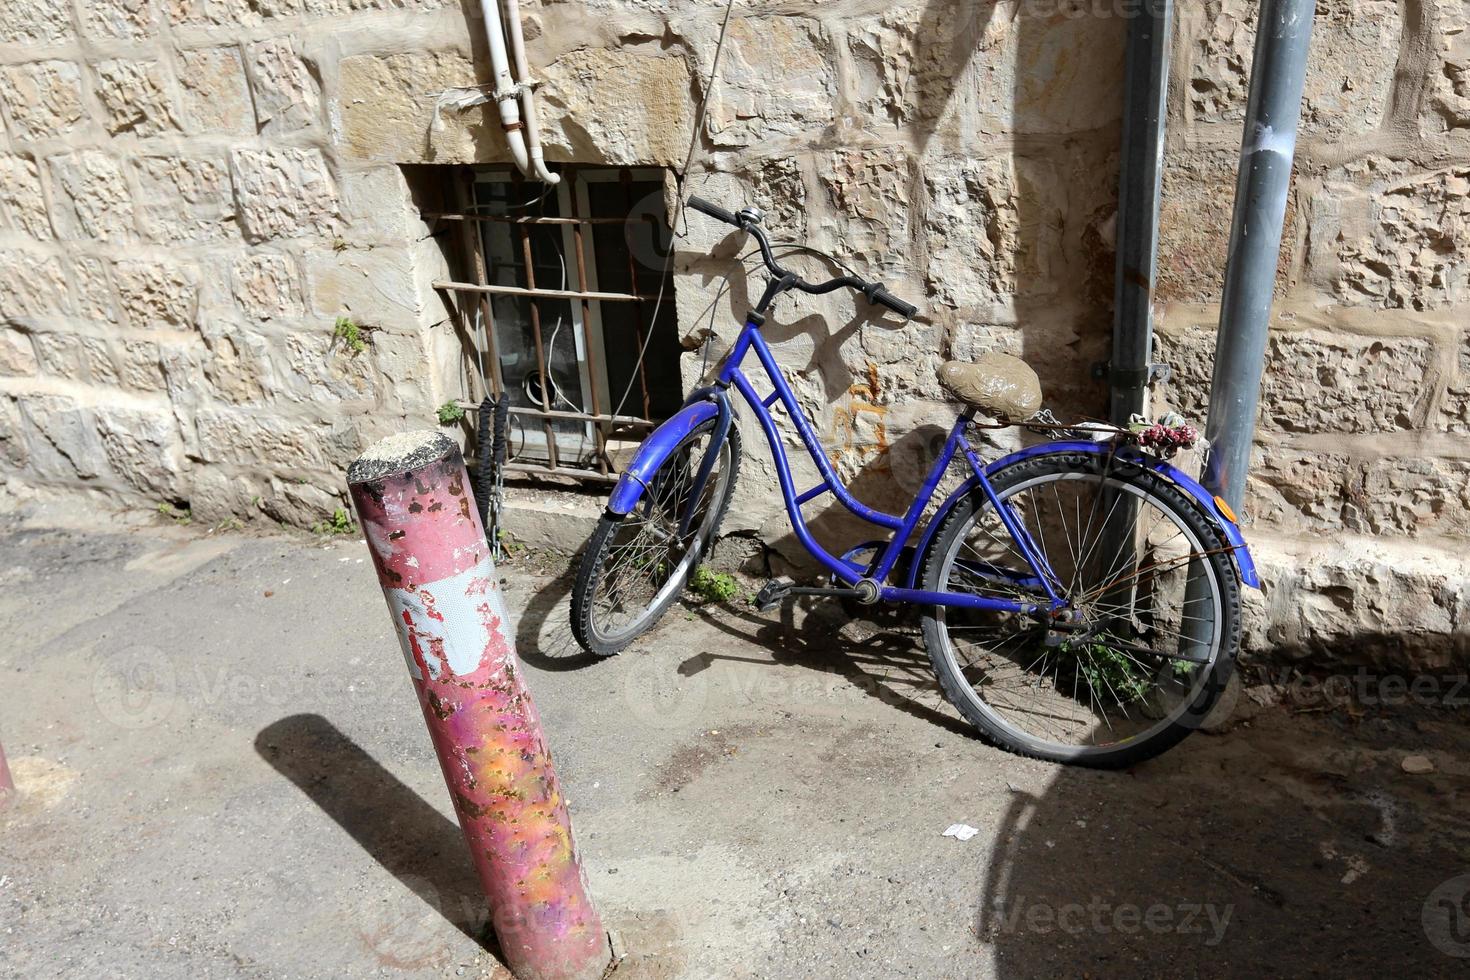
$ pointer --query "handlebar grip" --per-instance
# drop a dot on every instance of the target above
(881, 295)
(713, 210)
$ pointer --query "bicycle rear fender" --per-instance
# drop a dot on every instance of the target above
(655, 449)
(1230, 534)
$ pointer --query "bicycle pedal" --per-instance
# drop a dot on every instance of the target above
(773, 593)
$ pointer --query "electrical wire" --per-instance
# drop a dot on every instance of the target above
(709, 87)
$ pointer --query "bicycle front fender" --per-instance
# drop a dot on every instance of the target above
(1229, 531)
(659, 445)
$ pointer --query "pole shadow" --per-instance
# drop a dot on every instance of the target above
(398, 828)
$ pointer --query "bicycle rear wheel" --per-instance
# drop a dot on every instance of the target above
(1153, 626)
(636, 566)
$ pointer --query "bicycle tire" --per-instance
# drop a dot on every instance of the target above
(987, 722)
(591, 568)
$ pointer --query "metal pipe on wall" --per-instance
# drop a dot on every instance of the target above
(1145, 102)
(1278, 78)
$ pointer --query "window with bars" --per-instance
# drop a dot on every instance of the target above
(558, 290)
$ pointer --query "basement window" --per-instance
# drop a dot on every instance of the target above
(556, 290)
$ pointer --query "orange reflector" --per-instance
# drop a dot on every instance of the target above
(1225, 509)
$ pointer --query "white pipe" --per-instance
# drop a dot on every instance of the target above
(505, 86)
(528, 93)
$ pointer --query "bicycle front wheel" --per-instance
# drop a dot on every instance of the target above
(636, 566)
(1152, 625)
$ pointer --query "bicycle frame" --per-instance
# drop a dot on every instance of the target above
(901, 527)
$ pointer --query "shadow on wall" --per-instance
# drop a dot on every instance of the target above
(1039, 188)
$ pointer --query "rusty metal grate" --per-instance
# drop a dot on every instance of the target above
(570, 405)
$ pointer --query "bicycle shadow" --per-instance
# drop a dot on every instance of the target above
(885, 664)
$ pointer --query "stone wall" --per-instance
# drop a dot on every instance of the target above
(193, 191)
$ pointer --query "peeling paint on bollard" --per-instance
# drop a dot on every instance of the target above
(428, 545)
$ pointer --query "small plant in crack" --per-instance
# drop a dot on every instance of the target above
(177, 514)
(339, 523)
(714, 586)
(351, 336)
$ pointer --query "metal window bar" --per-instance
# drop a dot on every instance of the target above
(470, 304)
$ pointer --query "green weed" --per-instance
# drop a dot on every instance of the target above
(349, 334)
(714, 586)
(339, 523)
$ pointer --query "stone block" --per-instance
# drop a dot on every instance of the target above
(1365, 605)
(17, 353)
(1300, 491)
(76, 358)
(777, 80)
(91, 197)
(33, 284)
(44, 99)
(312, 369)
(979, 242)
(952, 70)
(22, 203)
(183, 199)
(61, 438)
(241, 437)
(1449, 100)
(13, 451)
(1350, 77)
(870, 189)
(236, 366)
(1316, 381)
(1194, 225)
(386, 110)
(284, 193)
(141, 447)
(117, 19)
(645, 119)
(1412, 497)
(299, 504)
(157, 294)
(267, 286)
(376, 287)
(35, 21)
(135, 97)
(92, 287)
(287, 95)
(377, 204)
(215, 97)
(1404, 243)
(1454, 412)
(141, 365)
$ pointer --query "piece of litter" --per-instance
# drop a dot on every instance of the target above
(961, 831)
(1417, 765)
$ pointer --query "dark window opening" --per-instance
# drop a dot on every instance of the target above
(556, 288)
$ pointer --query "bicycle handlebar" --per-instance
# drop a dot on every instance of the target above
(749, 222)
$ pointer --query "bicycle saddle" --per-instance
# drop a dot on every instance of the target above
(996, 384)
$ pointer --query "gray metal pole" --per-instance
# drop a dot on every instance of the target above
(1278, 76)
(1145, 102)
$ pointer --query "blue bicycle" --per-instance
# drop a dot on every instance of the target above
(1080, 598)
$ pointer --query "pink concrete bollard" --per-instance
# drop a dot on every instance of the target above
(7, 783)
(412, 495)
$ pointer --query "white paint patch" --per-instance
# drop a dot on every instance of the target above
(450, 620)
(1266, 139)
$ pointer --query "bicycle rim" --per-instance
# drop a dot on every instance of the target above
(1093, 691)
(646, 563)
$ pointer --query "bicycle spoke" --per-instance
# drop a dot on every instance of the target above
(1120, 676)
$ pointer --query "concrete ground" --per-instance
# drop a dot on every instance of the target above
(224, 774)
